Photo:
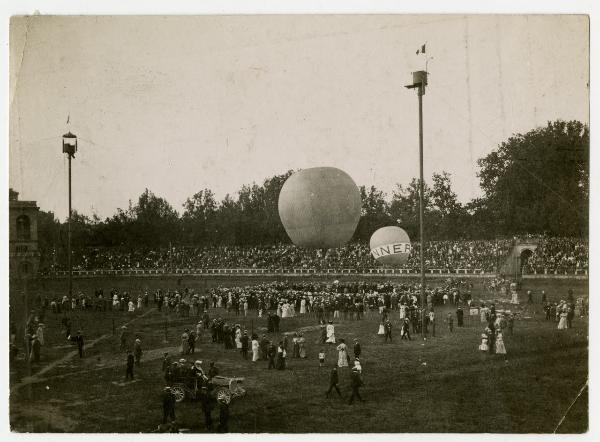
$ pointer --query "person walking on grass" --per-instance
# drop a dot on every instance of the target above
(450, 321)
(137, 351)
(459, 316)
(431, 315)
(333, 382)
(78, 339)
(357, 348)
(321, 358)
(405, 330)
(223, 416)
(123, 338)
(245, 344)
(129, 367)
(168, 401)
(388, 330)
(342, 354)
(355, 382)
(192, 342)
(271, 353)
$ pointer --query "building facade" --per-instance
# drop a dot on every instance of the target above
(24, 257)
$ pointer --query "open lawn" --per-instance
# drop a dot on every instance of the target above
(442, 384)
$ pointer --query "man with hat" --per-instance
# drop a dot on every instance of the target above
(459, 316)
(129, 369)
(123, 338)
(271, 353)
(137, 350)
(223, 415)
(212, 371)
(388, 330)
(357, 348)
(78, 339)
(168, 401)
(355, 382)
(333, 381)
(264, 347)
(245, 345)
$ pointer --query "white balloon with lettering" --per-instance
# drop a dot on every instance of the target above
(390, 246)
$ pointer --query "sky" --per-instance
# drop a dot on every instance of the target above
(178, 104)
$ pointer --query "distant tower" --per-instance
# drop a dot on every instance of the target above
(24, 258)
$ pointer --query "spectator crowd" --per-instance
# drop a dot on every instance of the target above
(562, 254)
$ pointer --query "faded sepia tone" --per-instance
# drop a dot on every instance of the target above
(185, 292)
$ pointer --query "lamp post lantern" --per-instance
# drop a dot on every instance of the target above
(419, 83)
(69, 146)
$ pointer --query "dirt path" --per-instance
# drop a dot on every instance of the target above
(38, 377)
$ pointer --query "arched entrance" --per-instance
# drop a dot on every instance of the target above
(524, 258)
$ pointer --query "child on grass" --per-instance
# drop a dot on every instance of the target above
(321, 358)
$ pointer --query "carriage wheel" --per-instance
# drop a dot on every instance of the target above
(179, 392)
(224, 395)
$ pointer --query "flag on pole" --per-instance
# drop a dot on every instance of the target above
(422, 50)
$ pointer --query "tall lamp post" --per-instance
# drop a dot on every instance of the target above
(69, 147)
(419, 83)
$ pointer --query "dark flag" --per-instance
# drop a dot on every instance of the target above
(422, 50)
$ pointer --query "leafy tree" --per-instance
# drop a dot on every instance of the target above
(156, 222)
(199, 218)
(375, 213)
(404, 208)
(448, 218)
(538, 182)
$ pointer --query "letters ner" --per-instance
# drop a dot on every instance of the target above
(390, 249)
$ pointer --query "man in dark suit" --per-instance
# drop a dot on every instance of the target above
(271, 353)
(333, 381)
(168, 401)
(78, 339)
(355, 382)
(357, 348)
(129, 369)
(245, 345)
(459, 316)
(388, 330)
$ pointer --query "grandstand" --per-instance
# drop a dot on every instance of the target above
(550, 256)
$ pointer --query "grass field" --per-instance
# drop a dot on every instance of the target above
(443, 384)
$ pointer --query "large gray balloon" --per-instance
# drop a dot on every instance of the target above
(320, 207)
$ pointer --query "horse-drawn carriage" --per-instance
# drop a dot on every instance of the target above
(222, 388)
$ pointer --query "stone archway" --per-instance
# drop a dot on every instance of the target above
(524, 257)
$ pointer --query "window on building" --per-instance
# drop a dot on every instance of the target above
(23, 228)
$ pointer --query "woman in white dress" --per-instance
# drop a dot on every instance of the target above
(562, 323)
(500, 348)
(303, 306)
(302, 344)
(285, 310)
(402, 311)
(254, 349)
(381, 329)
(139, 303)
(131, 308)
(330, 333)
(342, 354)
(238, 337)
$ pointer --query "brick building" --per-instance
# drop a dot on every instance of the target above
(24, 258)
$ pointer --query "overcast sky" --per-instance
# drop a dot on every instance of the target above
(177, 104)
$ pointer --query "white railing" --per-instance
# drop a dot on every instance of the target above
(262, 271)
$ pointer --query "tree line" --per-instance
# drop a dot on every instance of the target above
(537, 183)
